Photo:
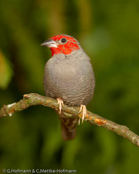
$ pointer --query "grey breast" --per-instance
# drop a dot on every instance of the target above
(70, 78)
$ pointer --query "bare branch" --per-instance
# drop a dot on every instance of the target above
(36, 99)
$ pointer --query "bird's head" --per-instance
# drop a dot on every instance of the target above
(62, 44)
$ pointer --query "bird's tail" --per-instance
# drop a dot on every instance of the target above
(68, 126)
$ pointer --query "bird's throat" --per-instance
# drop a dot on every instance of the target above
(65, 49)
(55, 51)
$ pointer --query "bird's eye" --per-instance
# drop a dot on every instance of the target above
(63, 40)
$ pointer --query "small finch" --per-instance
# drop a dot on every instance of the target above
(69, 78)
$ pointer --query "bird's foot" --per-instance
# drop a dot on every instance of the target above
(60, 103)
(78, 121)
(84, 112)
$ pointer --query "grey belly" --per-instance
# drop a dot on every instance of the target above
(74, 91)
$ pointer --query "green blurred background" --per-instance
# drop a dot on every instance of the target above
(109, 33)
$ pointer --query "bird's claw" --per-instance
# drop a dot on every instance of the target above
(60, 103)
(79, 121)
(84, 112)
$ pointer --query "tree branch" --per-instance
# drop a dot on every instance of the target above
(36, 99)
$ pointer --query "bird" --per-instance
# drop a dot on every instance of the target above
(69, 78)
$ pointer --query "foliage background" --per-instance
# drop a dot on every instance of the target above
(109, 32)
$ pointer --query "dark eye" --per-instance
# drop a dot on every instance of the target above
(63, 40)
